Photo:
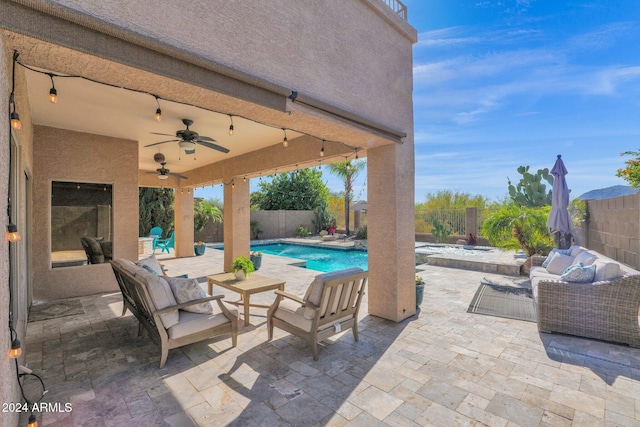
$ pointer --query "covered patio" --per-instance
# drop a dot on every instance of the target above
(443, 366)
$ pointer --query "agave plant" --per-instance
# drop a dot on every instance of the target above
(519, 227)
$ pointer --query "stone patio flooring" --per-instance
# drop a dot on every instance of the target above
(442, 367)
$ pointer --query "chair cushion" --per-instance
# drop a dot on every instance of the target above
(293, 313)
(580, 274)
(575, 250)
(185, 290)
(606, 270)
(97, 257)
(585, 258)
(553, 252)
(315, 290)
(152, 263)
(559, 263)
(161, 295)
(191, 323)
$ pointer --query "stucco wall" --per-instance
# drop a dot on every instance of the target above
(315, 47)
(63, 155)
(614, 228)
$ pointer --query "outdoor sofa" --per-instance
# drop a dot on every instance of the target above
(604, 307)
(174, 311)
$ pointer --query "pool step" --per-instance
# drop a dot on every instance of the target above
(506, 267)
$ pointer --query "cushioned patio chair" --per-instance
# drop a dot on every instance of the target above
(330, 306)
(98, 251)
(165, 244)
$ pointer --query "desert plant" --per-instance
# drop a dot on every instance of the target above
(361, 232)
(439, 231)
(242, 263)
(256, 231)
(323, 217)
(530, 191)
(519, 227)
(203, 212)
(471, 240)
(303, 231)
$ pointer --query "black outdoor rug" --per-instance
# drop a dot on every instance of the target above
(53, 309)
(504, 301)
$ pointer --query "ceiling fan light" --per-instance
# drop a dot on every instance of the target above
(163, 177)
(189, 147)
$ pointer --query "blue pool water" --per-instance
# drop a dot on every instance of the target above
(319, 259)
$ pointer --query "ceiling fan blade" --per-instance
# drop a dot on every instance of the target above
(213, 146)
(165, 134)
(151, 172)
(177, 174)
(205, 138)
(161, 142)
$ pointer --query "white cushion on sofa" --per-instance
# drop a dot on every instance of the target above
(585, 258)
(160, 294)
(606, 270)
(554, 251)
(575, 250)
(559, 263)
(185, 290)
(194, 322)
(152, 263)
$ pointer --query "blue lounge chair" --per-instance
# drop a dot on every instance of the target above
(156, 233)
(165, 244)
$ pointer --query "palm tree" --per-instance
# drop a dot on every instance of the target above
(347, 171)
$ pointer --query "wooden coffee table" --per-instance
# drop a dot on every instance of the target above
(253, 284)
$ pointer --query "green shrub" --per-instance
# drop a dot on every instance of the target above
(439, 231)
(361, 232)
(303, 231)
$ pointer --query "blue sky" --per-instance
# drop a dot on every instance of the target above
(499, 84)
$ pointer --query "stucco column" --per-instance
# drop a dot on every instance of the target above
(391, 231)
(237, 239)
(183, 220)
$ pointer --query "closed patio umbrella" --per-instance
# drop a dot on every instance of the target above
(559, 221)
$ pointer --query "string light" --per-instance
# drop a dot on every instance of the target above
(15, 121)
(233, 184)
(322, 149)
(53, 93)
(12, 234)
(285, 142)
(231, 125)
(158, 115)
(16, 349)
(33, 422)
(244, 179)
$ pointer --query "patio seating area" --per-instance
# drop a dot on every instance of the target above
(443, 366)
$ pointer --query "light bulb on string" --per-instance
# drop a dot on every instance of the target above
(158, 115)
(16, 349)
(231, 125)
(244, 179)
(53, 93)
(285, 142)
(12, 234)
(322, 149)
(33, 422)
(15, 121)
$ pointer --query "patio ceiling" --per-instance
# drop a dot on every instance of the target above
(90, 107)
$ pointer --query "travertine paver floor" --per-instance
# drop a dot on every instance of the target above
(442, 367)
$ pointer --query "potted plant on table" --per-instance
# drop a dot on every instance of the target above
(419, 291)
(242, 267)
(256, 259)
(199, 248)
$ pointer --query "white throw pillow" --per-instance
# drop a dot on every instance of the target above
(161, 296)
(580, 274)
(585, 258)
(606, 270)
(152, 263)
(553, 252)
(575, 250)
(185, 290)
(559, 263)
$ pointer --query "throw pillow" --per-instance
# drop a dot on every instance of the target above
(572, 267)
(585, 258)
(161, 296)
(606, 270)
(149, 269)
(555, 251)
(575, 250)
(186, 290)
(559, 263)
(151, 262)
(580, 275)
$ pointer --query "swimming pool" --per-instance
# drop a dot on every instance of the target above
(319, 259)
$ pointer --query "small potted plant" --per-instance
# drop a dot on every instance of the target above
(419, 291)
(256, 259)
(199, 248)
(242, 267)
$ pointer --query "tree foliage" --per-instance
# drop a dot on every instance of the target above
(530, 191)
(447, 199)
(205, 211)
(300, 190)
(519, 227)
(631, 173)
(156, 210)
(347, 171)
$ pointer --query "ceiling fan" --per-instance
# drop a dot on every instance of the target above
(164, 173)
(187, 139)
